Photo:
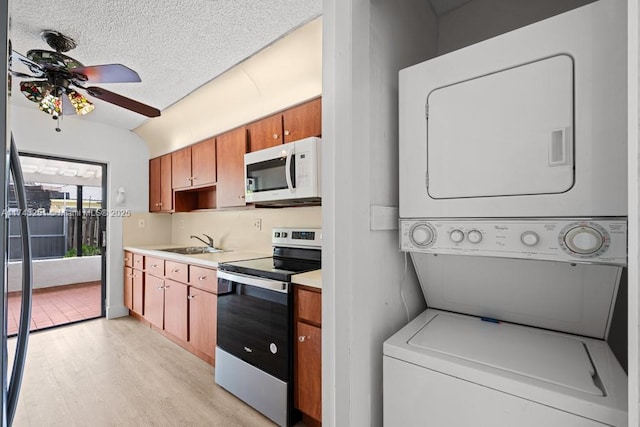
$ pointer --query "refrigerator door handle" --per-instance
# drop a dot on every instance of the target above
(27, 282)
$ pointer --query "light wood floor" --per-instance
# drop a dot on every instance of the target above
(121, 373)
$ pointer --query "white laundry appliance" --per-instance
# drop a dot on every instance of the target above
(513, 210)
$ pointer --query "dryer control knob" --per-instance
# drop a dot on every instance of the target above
(422, 235)
(584, 240)
(530, 238)
(474, 236)
(456, 236)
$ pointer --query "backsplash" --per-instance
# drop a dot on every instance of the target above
(233, 230)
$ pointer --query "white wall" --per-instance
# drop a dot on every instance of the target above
(365, 44)
(56, 272)
(482, 19)
(126, 157)
(230, 229)
(634, 209)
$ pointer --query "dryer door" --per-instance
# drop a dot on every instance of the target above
(508, 133)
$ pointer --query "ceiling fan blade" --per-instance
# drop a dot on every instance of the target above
(34, 67)
(123, 101)
(108, 73)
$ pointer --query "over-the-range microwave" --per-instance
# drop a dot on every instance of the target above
(284, 175)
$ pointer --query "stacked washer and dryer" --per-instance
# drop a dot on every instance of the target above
(513, 208)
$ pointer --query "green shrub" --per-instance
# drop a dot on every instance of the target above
(87, 250)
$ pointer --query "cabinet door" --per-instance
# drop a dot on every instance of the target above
(303, 121)
(308, 370)
(265, 133)
(181, 168)
(166, 193)
(155, 192)
(137, 292)
(231, 148)
(202, 320)
(154, 300)
(175, 309)
(203, 162)
(128, 287)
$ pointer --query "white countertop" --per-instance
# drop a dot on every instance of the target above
(310, 278)
(205, 260)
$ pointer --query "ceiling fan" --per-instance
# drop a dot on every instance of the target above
(56, 76)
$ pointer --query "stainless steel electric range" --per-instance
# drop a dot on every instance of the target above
(254, 353)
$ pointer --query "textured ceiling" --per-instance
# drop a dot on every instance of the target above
(176, 47)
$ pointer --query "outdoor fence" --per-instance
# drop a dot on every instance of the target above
(53, 235)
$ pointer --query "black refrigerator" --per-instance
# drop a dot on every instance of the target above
(12, 370)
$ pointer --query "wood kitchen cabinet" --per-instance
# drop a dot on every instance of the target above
(203, 314)
(133, 282)
(160, 189)
(307, 303)
(231, 148)
(295, 123)
(154, 300)
(176, 309)
(194, 166)
(265, 133)
(302, 121)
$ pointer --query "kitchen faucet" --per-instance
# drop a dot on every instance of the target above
(210, 243)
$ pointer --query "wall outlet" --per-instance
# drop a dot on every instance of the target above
(141, 223)
(257, 223)
(181, 223)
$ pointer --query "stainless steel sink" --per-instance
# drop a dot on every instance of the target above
(192, 250)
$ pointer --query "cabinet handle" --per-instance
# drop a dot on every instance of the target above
(159, 204)
(175, 271)
(303, 338)
(241, 197)
(193, 178)
(202, 278)
(286, 132)
(166, 286)
(153, 265)
(275, 136)
(191, 296)
(160, 288)
(127, 259)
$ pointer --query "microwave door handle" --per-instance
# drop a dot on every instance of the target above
(287, 172)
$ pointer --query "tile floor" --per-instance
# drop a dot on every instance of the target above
(57, 306)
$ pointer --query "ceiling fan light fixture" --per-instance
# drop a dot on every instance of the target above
(80, 103)
(33, 91)
(51, 104)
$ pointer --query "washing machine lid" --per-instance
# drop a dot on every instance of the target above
(532, 353)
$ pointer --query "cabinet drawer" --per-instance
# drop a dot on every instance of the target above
(177, 271)
(203, 278)
(309, 305)
(138, 261)
(154, 266)
(128, 259)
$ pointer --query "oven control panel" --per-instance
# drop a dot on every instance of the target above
(590, 240)
(297, 237)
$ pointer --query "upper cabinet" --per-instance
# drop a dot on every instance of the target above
(160, 193)
(265, 133)
(303, 121)
(295, 123)
(194, 166)
(231, 149)
(210, 174)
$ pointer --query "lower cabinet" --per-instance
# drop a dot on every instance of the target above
(179, 300)
(202, 319)
(175, 309)
(154, 300)
(307, 377)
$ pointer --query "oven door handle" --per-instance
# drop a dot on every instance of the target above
(259, 282)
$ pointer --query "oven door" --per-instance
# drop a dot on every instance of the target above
(270, 174)
(254, 322)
